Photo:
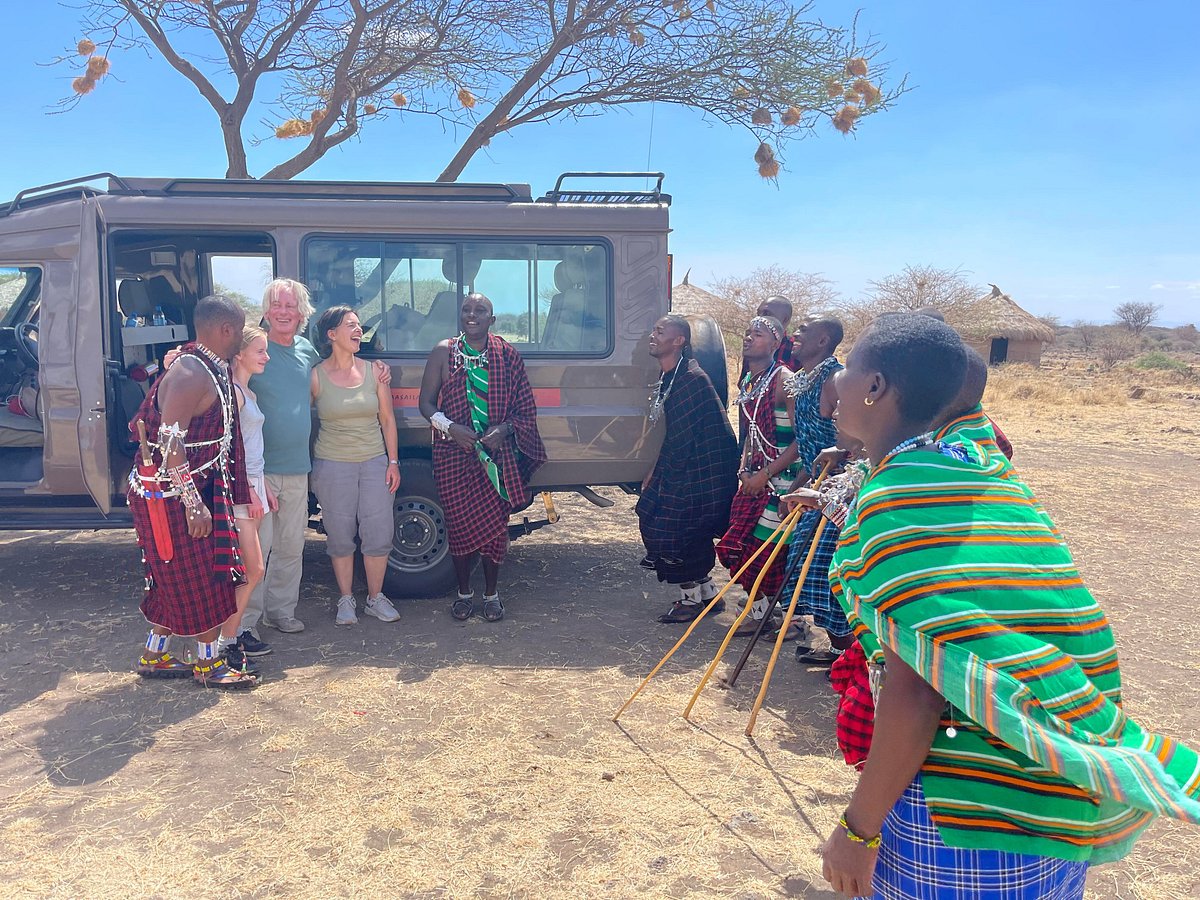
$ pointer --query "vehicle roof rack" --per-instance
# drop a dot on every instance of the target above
(626, 195)
(341, 190)
(72, 187)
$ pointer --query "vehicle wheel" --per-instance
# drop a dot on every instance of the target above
(419, 564)
(708, 348)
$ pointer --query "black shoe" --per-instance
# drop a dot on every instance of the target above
(238, 660)
(252, 646)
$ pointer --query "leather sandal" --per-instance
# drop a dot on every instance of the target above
(218, 674)
(165, 666)
(463, 608)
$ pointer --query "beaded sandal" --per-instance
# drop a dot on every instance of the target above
(165, 666)
(218, 674)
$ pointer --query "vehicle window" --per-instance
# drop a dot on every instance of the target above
(18, 289)
(548, 298)
(243, 277)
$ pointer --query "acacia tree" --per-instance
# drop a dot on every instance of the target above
(320, 71)
(1136, 315)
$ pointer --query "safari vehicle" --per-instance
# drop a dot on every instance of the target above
(577, 278)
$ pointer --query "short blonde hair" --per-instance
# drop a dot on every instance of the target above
(299, 291)
(250, 334)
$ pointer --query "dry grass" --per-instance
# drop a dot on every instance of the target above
(436, 760)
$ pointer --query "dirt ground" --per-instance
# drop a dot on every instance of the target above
(431, 759)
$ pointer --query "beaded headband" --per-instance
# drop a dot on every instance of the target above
(770, 324)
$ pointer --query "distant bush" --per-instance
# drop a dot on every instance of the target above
(1156, 359)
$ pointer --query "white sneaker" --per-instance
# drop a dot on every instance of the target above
(381, 608)
(346, 611)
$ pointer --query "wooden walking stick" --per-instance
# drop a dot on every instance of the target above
(787, 620)
(787, 577)
(790, 521)
(696, 621)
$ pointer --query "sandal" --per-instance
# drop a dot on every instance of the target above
(493, 609)
(824, 657)
(165, 666)
(218, 674)
(750, 625)
(463, 607)
(682, 613)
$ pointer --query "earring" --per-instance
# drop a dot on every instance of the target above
(868, 401)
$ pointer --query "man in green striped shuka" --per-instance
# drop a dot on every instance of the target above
(1002, 764)
(477, 397)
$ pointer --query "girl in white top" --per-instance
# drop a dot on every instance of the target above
(251, 360)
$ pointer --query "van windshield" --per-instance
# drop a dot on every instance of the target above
(18, 289)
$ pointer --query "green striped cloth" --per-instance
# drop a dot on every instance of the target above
(955, 567)
(477, 398)
(772, 514)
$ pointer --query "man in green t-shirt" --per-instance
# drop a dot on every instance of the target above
(283, 395)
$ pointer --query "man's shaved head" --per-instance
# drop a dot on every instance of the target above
(777, 307)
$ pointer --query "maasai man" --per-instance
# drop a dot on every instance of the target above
(476, 395)
(815, 398)
(767, 469)
(780, 308)
(685, 499)
(186, 505)
(1003, 764)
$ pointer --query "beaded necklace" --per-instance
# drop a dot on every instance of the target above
(662, 390)
(800, 382)
(912, 443)
(753, 390)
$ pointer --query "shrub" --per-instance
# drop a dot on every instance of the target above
(1156, 359)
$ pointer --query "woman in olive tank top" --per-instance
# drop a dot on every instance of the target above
(353, 457)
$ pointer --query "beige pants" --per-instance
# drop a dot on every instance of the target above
(281, 535)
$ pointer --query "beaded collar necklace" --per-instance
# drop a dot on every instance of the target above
(801, 382)
(467, 356)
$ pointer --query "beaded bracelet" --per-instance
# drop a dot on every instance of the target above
(871, 843)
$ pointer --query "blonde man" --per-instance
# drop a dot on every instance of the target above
(283, 395)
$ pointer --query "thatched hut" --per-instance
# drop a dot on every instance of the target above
(1003, 332)
(689, 300)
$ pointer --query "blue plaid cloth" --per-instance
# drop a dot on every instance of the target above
(914, 864)
(816, 599)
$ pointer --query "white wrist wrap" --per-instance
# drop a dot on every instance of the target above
(441, 422)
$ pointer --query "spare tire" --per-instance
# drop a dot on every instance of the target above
(708, 348)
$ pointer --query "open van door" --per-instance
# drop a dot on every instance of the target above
(90, 332)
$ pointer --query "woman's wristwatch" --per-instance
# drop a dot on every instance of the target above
(393, 462)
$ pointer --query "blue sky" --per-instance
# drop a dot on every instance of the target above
(1048, 147)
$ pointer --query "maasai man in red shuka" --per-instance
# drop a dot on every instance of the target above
(201, 474)
(768, 467)
(775, 307)
(486, 446)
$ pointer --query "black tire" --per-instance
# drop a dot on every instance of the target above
(419, 564)
(708, 348)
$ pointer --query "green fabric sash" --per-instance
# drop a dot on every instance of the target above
(477, 398)
(955, 567)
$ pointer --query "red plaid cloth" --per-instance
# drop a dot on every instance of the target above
(193, 593)
(476, 515)
(856, 707)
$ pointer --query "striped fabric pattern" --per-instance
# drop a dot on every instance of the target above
(477, 398)
(954, 566)
(973, 425)
(772, 515)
